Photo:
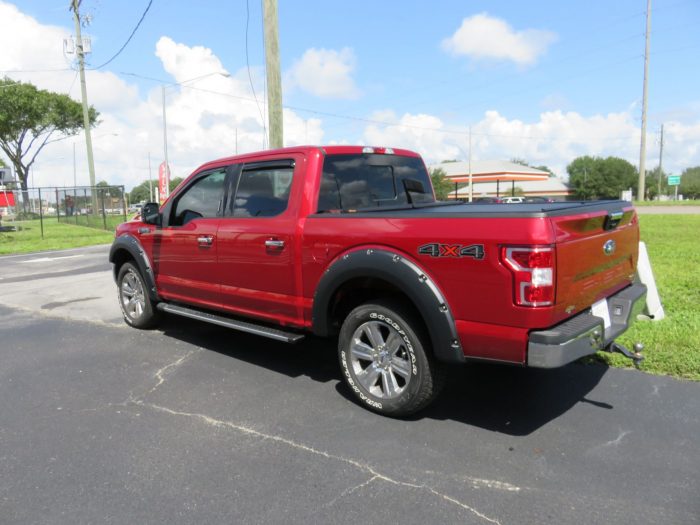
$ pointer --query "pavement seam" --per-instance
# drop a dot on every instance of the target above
(218, 423)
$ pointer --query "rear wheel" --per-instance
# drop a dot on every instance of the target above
(385, 360)
(136, 305)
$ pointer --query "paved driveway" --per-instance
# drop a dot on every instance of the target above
(196, 424)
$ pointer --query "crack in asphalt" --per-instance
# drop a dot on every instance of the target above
(159, 375)
(375, 475)
(164, 372)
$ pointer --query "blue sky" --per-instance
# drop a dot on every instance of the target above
(524, 75)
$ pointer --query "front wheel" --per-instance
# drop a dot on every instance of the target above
(134, 301)
(385, 361)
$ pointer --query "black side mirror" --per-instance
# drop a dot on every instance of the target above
(150, 214)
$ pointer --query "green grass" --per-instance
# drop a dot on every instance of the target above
(57, 236)
(94, 221)
(672, 345)
(667, 203)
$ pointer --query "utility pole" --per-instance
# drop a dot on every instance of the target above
(643, 145)
(661, 158)
(83, 89)
(272, 67)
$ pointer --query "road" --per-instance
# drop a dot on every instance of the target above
(192, 423)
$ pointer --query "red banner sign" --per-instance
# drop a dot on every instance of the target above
(163, 181)
(7, 199)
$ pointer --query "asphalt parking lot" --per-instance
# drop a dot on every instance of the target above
(192, 423)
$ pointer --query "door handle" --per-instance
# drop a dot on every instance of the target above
(205, 241)
(274, 244)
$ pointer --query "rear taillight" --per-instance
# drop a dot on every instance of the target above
(533, 273)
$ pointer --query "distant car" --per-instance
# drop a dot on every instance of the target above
(513, 200)
(487, 200)
(537, 200)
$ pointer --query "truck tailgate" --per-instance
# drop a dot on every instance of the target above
(596, 256)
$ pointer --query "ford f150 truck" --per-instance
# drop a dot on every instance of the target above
(349, 242)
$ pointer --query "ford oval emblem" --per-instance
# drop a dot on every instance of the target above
(609, 247)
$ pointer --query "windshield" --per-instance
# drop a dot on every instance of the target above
(355, 182)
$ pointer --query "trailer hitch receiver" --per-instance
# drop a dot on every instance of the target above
(635, 356)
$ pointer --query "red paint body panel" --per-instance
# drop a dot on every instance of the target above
(184, 269)
(240, 275)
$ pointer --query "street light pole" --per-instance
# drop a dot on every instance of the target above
(75, 183)
(165, 123)
(643, 145)
(165, 148)
(150, 179)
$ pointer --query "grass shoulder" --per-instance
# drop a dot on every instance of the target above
(57, 236)
(648, 204)
(672, 345)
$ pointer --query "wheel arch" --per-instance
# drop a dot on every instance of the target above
(127, 248)
(371, 273)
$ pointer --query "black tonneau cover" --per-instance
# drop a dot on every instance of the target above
(442, 210)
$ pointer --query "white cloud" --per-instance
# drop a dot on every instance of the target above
(554, 139)
(483, 37)
(203, 119)
(325, 73)
(420, 133)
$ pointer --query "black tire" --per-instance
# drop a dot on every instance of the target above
(396, 374)
(136, 305)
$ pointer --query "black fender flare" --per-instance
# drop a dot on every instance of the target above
(403, 274)
(131, 244)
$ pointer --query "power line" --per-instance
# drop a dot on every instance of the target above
(247, 64)
(35, 70)
(128, 39)
(448, 131)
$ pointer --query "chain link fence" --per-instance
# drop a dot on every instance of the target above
(101, 207)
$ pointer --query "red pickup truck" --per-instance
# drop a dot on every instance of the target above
(349, 242)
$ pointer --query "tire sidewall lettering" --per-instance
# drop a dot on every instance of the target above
(407, 341)
(354, 387)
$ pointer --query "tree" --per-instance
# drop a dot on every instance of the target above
(651, 183)
(690, 183)
(601, 178)
(541, 167)
(174, 183)
(114, 191)
(141, 193)
(441, 184)
(31, 118)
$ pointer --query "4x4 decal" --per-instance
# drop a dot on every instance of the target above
(436, 249)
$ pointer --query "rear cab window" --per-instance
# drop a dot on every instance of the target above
(364, 181)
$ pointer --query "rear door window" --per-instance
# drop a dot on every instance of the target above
(263, 191)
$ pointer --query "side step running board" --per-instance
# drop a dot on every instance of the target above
(242, 326)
